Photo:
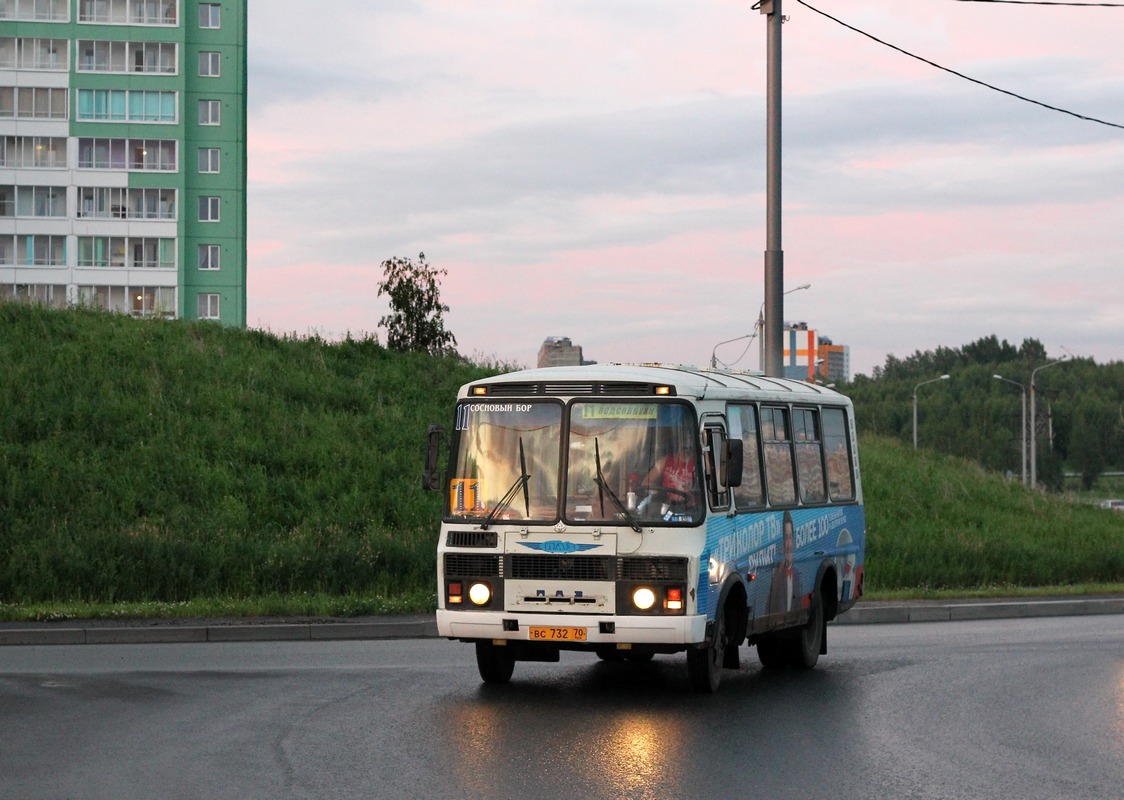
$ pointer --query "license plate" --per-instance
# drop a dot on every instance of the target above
(553, 633)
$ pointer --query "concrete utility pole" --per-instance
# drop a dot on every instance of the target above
(774, 256)
(915, 388)
(1034, 422)
(1022, 388)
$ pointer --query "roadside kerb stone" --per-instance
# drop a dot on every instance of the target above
(259, 633)
(34, 636)
(152, 635)
(375, 630)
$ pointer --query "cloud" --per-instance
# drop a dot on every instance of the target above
(597, 170)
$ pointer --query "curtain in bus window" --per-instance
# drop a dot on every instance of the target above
(778, 456)
(837, 455)
(809, 458)
(743, 426)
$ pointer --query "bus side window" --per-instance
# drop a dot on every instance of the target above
(778, 456)
(743, 425)
(809, 455)
(840, 486)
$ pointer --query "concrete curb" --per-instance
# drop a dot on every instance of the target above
(424, 626)
(167, 632)
(881, 613)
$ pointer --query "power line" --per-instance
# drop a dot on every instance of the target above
(960, 74)
(1045, 3)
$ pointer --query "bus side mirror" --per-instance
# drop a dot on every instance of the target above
(431, 480)
(732, 462)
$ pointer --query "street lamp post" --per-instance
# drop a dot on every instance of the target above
(915, 388)
(1023, 390)
(714, 352)
(762, 347)
(756, 333)
(1033, 423)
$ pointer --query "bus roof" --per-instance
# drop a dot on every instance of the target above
(638, 380)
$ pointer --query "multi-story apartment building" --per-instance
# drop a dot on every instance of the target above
(123, 155)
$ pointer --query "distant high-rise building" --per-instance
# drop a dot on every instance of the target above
(835, 366)
(123, 155)
(559, 351)
(799, 351)
(809, 357)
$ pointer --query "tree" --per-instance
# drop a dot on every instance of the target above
(415, 324)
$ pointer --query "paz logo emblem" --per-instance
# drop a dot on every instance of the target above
(560, 527)
(558, 547)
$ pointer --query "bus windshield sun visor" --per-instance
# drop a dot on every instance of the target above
(505, 501)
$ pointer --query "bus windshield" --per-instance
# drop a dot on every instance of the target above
(506, 461)
(632, 461)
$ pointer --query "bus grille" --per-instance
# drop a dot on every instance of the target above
(470, 539)
(472, 565)
(578, 568)
(636, 568)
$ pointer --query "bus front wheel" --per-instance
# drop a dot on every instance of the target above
(704, 665)
(496, 664)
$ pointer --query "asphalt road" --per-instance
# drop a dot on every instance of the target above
(1027, 708)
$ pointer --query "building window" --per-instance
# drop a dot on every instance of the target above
(210, 112)
(29, 102)
(33, 251)
(128, 12)
(120, 105)
(125, 57)
(208, 306)
(208, 209)
(153, 155)
(44, 294)
(210, 15)
(32, 201)
(38, 54)
(119, 252)
(43, 152)
(101, 251)
(210, 256)
(210, 65)
(152, 301)
(208, 159)
(121, 203)
(35, 10)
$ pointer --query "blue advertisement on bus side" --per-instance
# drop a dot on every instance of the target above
(779, 554)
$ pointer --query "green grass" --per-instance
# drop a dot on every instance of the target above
(938, 522)
(155, 468)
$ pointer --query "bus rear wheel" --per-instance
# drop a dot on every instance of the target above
(797, 648)
(807, 646)
(496, 664)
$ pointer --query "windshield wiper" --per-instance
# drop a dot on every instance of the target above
(604, 488)
(505, 501)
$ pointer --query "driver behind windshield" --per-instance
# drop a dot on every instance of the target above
(671, 480)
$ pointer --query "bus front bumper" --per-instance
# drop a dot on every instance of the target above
(598, 628)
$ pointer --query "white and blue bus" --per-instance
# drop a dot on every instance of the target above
(631, 511)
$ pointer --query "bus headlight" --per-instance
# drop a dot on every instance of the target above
(643, 598)
(480, 594)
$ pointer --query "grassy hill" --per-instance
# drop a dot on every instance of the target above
(153, 463)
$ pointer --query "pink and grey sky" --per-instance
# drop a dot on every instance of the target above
(596, 169)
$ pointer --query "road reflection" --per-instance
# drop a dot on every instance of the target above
(610, 726)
